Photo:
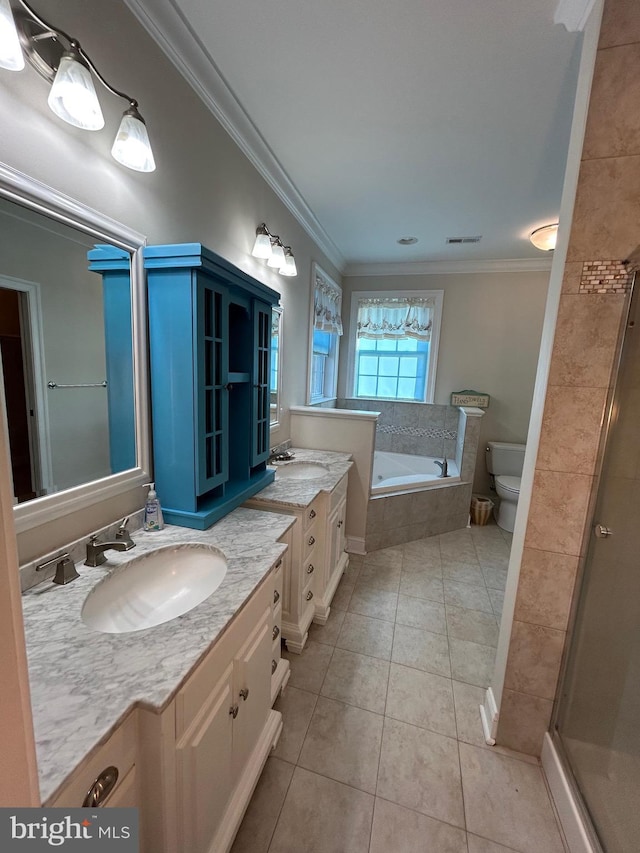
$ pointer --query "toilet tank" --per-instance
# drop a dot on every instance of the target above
(504, 458)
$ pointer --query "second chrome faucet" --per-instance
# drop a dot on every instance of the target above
(96, 549)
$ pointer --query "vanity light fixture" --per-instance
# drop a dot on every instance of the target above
(61, 60)
(269, 247)
(545, 238)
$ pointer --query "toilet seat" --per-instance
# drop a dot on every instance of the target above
(509, 484)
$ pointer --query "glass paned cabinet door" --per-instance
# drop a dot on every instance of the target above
(261, 382)
(211, 320)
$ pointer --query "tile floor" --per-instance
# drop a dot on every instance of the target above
(382, 748)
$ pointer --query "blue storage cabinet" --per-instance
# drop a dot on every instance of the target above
(209, 340)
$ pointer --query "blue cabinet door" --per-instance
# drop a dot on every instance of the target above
(211, 332)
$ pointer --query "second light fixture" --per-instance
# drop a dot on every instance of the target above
(269, 247)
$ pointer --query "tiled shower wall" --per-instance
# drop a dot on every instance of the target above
(415, 428)
(605, 231)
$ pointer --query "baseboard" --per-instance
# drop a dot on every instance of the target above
(355, 545)
(489, 717)
(569, 812)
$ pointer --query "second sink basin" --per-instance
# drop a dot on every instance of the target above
(301, 471)
(154, 588)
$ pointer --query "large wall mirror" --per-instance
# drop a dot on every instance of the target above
(276, 366)
(72, 347)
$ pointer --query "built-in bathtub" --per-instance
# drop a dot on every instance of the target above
(396, 473)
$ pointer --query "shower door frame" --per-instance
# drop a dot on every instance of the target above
(573, 811)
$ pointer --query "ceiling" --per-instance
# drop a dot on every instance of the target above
(377, 121)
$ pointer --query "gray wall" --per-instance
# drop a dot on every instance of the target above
(489, 341)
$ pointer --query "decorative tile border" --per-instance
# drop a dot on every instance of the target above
(605, 277)
(417, 432)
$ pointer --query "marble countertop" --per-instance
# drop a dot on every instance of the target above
(300, 493)
(84, 683)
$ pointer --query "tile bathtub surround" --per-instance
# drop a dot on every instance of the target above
(604, 226)
(382, 746)
(71, 666)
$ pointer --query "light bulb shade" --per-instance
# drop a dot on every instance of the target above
(277, 259)
(545, 238)
(11, 56)
(262, 245)
(73, 96)
(289, 267)
(131, 146)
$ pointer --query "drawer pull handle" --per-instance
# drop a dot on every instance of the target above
(340, 523)
(276, 632)
(312, 514)
(244, 694)
(310, 569)
(312, 540)
(279, 563)
(309, 595)
(101, 788)
(274, 666)
(233, 711)
(276, 596)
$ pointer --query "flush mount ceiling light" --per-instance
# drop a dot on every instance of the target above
(545, 238)
(269, 247)
(60, 59)
(407, 241)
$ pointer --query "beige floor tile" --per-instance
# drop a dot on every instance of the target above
(420, 770)
(467, 699)
(471, 662)
(496, 597)
(256, 829)
(309, 668)
(328, 633)
(323, 816)
(391, 556)
(421, 650)
(419, 566)
(420, 613)
(352, 570)
(357, 680)
(422, 586)
(377, 603)
(473, 625)
(380, 576)
(455, 570)
(495, 577)
(482, 845)
(421, 699)
(458, 545)
(366, 636)
(343, 743)
(296, 707)
(506, 801)
(425, 548)
(342, 596)
(399, 830)
(467, 595)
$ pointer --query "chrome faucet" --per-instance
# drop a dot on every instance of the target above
(65, 568)
(281, 456)
(444, 467)
(96, 549)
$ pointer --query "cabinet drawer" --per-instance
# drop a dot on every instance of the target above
(310, 515)
(119, 752)
(311, 569)
(339, 492)
(310, 539)
(276, 586)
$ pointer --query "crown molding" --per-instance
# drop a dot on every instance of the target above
(573, 14)
(450, 267)
(169, 29)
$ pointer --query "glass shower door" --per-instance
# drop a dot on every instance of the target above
(598, 715)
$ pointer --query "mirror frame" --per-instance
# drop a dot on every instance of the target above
(28, 192)
(275, 425)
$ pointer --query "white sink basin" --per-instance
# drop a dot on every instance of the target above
(301, 471)
(154, 588)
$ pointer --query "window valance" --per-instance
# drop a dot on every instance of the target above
(388, 319)
(327, 306)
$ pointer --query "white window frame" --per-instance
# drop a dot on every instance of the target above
(430, 384)
(331, 373)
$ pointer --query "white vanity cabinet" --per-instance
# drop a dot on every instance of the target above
(280, 669)
(336, 558)
(224, 729)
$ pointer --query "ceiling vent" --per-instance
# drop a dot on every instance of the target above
(457, 240)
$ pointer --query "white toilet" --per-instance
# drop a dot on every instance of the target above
(504, 462)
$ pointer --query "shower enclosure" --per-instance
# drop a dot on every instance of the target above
(596, 728)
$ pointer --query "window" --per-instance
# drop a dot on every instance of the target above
(394, 344)
(326, 328)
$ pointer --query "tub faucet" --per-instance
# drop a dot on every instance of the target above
(95, 550)
(443, 466)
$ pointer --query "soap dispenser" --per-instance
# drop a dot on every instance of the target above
(152, 512)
